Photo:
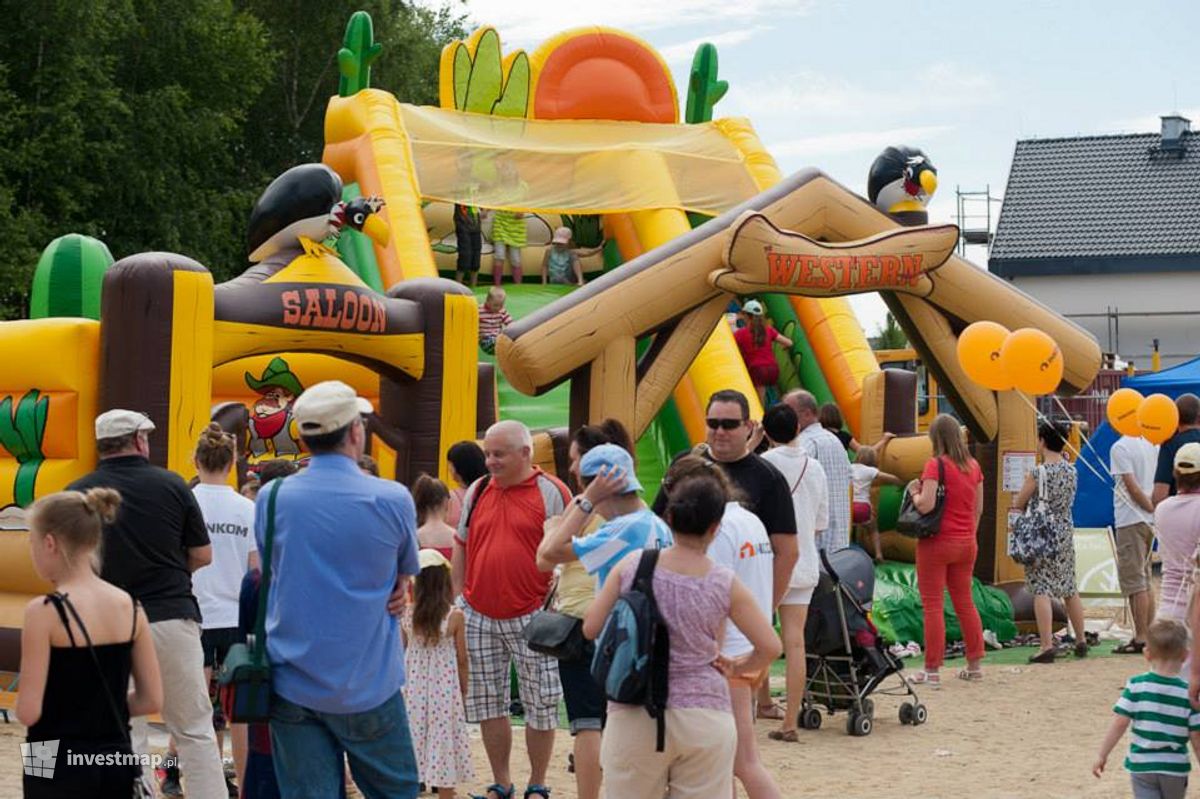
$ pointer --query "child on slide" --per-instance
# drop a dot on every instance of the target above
(560, 264)
(864, 473)
(756, 343)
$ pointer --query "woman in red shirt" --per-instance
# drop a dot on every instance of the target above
(946, 560)
(755, 341)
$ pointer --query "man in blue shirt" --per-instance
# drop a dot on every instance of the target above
(345, 544)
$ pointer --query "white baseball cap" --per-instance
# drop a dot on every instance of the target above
(1187, 459)
(119, 422)
(753, 307)
(328, 407)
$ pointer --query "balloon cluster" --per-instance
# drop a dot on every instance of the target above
(1025, 359)
(1154, 418)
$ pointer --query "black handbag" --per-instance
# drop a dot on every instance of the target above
(244, 683)
(555, 634)
(915, 524)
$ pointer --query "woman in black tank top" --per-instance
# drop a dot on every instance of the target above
(73, 689)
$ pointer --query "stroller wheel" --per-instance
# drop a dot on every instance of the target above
(920, 714)
(868, 706)
(907, 713)
(810, 719)
(859, 724)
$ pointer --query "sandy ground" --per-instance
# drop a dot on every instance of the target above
(1025, 731)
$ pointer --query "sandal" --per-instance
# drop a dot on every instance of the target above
(787, 736)
(497, 789)
(537, 790)
(772, 711)
(1131, 648)
(932, 679)
(1045, 656)
(970, 675)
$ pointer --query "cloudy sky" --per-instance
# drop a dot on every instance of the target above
(829, 83)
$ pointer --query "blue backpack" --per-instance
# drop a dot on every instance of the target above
(633, 651)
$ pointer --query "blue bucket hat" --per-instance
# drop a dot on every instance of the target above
(609, 455)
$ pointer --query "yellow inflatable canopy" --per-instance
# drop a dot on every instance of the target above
(574, 166)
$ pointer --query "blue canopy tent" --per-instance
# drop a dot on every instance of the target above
(1093, 498)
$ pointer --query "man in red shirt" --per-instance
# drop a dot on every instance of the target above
(495, 566)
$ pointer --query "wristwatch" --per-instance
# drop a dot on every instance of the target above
(584, 504)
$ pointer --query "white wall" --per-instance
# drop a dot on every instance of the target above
(1179, 336)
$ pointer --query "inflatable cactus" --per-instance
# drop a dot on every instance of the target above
(704, 90)
(358, 51)
(68, 278)
(21, 433)
(481, 80)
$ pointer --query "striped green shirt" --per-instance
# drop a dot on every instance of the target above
(508, 228)
(1162, 720)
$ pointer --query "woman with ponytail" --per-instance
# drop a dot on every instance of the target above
(756, 343)
(79, 647)
(695, 597)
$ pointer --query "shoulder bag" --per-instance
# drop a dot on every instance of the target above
(244, 683)
(915, 524)
(1033, 536)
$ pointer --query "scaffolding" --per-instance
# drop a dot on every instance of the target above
(974, 217)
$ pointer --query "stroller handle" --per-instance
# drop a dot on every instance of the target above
(828, 567)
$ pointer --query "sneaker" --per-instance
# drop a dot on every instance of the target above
(170, 785)
(913, 649)
(991, 640)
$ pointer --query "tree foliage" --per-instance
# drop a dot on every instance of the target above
(154, 124)
(889, 335)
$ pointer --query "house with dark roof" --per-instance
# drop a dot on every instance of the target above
(1106, 230)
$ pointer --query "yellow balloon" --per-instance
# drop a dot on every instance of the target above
(1158, 418)
(1123, 411)
(1033, 361)
(979, 354)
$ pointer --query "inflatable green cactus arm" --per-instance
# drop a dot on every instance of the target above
(481, 84)
(21, 434)
(704, 90)
(358, 51)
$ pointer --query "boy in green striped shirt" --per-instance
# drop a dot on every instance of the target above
(1156, 704)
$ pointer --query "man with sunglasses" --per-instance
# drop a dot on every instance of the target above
(765, 491)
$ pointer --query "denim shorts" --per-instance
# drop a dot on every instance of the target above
(586, 703)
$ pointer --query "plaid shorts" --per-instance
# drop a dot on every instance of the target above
(492, 645)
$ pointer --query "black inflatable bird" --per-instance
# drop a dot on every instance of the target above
(902, 179)
(305, 202)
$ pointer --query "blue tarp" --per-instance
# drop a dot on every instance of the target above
(1093, 499)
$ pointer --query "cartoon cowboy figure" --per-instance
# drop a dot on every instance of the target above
(271, 433)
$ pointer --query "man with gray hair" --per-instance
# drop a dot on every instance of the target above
(151, 550)
(823, 445)
(495, 566)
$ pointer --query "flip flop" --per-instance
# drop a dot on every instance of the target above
(772, 711)
(787, 736)
(537, 790)
(970, 675)
(1131, 648)
(497, 789)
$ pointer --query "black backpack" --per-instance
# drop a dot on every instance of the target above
(633, 652)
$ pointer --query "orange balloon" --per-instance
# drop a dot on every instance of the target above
(1033, 361)
(1123, 411)
(979, 354)
(1158, 418)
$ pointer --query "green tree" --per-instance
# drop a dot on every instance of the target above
(889, 335)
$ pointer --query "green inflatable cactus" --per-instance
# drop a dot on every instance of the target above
(68, 278)
(21, 433)
(704, 90)
(481, 85)
(358, 51)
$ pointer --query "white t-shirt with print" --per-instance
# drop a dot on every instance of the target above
(742, 544)
(1136, 456)
(810, 499)
(229, 519)
(861, 478)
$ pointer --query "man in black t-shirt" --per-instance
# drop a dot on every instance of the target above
(1188, 431)
(151, 550)
(766, 492)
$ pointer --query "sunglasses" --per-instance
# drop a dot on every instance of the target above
(724, 424)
